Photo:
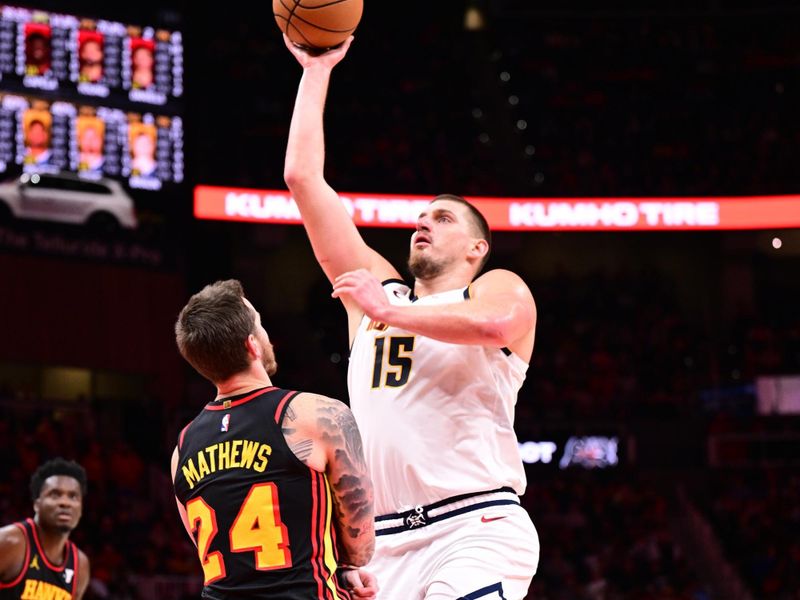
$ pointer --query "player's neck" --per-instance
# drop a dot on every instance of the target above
(444, 282)
(53, 542)
(241, 383)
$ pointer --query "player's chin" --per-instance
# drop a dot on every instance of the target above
(65, 527)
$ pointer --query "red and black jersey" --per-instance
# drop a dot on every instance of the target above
(261, 518)
(40, 578)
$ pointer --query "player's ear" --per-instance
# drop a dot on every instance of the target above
(479, 248)
(253, 347)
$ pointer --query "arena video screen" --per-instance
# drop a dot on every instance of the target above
(93, 97)
(571, 451)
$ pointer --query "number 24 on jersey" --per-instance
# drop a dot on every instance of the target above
(257, 528)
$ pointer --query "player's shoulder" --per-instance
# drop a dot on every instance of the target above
(83, 560)
(316, 417)
(396, 285)
(12, 540)
(499, 275)
(11, 535)
(311, 403)
(500, 280)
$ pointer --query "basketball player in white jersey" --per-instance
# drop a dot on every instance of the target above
(434, 373)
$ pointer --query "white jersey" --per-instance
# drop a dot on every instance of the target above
(436, 418)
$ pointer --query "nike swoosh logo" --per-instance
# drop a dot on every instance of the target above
(489, 520)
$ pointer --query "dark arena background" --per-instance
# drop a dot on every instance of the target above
(659, 419)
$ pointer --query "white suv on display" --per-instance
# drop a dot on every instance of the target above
(101, 204)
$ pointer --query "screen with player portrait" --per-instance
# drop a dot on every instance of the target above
(45, 136)
(91, 96)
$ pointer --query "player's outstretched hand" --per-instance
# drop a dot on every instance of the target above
(364, 289)
(329, 59)
(361, 583)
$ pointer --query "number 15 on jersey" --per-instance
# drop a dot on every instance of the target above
(393, 361)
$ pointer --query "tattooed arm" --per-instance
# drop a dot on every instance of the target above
(323, 434)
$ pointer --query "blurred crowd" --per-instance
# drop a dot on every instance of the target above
(625, 346)
(609, 105)
(130, 527)
(608, 537)
(756, 514)
(662, 105)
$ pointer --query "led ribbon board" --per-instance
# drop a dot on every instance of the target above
(520, 214)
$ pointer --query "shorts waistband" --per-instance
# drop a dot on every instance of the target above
(422, 516)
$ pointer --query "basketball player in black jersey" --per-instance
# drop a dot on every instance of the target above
(271, 484)
(37, 560)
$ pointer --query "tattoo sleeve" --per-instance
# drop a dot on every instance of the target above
(351, 485)
(300, 445)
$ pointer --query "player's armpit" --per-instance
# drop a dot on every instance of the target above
(350, 483)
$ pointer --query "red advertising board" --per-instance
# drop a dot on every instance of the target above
(520, 214)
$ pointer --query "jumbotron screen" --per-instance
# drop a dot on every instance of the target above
(90, 96)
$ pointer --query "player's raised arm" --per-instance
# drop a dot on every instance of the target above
(323, 434)
(334, 237)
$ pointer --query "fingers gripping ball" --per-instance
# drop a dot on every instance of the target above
(318, 25)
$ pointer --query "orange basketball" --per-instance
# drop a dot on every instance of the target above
(318, 24)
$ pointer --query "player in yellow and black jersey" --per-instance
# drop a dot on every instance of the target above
(37, 560)
(271, 484)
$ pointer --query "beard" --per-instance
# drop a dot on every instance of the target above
(52, 525)
(424, 267)
(268, 359)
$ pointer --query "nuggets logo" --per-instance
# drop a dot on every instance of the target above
(226, 423)
(377, 325)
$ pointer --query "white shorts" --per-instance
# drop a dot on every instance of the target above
(481, 548)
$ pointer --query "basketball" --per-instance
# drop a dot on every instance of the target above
(318, 25)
